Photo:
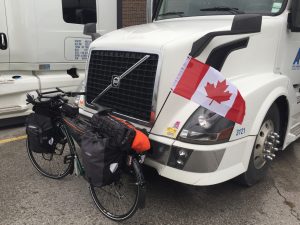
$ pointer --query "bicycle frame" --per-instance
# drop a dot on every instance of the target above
(77, 169)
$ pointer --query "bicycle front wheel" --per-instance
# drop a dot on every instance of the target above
(53, 165)
(120, 200)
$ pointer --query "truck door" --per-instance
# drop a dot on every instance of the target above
(291, 59)
(4, 51)
(290, 65)
(13, 84)
(62, 45)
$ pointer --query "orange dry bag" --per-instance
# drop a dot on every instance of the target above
(141, 142)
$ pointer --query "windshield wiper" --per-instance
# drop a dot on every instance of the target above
(225, 9)
(172, 13)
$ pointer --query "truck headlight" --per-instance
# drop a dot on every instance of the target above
(206, 127)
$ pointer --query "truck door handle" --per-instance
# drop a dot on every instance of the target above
(3, 41)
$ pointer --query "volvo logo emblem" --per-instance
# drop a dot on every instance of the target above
(116, 80)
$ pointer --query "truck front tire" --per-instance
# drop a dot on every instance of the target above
(258, 166)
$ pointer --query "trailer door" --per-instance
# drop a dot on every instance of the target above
(4, 50)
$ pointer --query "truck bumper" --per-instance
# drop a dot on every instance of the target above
(203, 164)
(199, 165)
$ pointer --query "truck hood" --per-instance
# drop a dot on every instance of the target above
(172, 40)
(155, 36)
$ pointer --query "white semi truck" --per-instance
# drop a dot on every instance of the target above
(254, 44)
(42, 46)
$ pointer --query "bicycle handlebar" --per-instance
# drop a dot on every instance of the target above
(70, 94)
(58, 99)
(58, 90)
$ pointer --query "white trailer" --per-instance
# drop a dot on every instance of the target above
(42, 46)
(255, 45)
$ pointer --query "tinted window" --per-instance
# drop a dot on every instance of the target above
(79, 11)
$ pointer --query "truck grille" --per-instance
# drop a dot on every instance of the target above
(133, 98)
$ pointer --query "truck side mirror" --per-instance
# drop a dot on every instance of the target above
(294, 17)
(91, 30)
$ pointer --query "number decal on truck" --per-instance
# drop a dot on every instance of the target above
(240, 132)
(76, 49)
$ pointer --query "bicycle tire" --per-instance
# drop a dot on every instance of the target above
(56, 158)
(139, 198)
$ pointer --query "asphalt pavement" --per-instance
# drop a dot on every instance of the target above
(27, 198)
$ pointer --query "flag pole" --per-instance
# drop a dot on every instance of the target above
(161, 109)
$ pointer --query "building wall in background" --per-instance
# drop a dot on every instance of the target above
(133, 12)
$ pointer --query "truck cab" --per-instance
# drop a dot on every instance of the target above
(254, 44)
(42, 46)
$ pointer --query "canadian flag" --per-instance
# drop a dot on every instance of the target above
(207, 87)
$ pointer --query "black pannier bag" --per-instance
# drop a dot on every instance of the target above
(77, 126)
(104, 148)
(42, 135)
(101, 162)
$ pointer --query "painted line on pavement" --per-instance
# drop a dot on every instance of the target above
(8, 140)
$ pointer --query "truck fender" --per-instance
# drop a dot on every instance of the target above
(260, 91)
(265, 106)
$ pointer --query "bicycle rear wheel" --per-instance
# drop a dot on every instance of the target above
(120, 200)
(53, 165)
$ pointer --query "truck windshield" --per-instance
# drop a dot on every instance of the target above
(186, 8)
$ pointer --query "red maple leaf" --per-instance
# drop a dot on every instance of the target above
(218, 93)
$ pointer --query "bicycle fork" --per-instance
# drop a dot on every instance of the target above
(77, 167)
(141, 183)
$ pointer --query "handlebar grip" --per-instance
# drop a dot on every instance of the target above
(29, 99)
(60, 90)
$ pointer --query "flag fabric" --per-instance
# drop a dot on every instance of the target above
(207, 87)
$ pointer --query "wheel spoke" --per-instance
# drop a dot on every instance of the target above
(125, 197)
(51, 165)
